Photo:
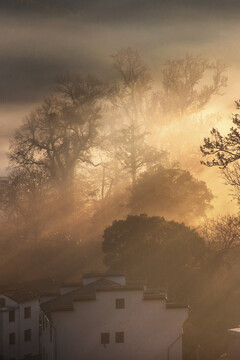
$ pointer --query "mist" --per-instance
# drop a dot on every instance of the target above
(103, 110)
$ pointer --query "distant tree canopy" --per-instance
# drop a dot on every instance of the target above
(170, 192)
(131, 103)
(186, 87)
(24, 199)
(160, 251)
(83, 156)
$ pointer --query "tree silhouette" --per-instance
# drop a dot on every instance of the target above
(60, 134)
(185, 85)
(222, 233)
(131, 101)
(223, 150)
(153, 248)
(170, 192)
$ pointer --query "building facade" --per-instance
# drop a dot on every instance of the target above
(234, 344)
(107, 318)
(19, 327)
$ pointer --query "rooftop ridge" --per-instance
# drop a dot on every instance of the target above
(176, 305)
(70, 283)
(96, 274)
(70, 296)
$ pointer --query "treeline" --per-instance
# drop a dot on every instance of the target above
(94, 158)
(86, 152)
(87, 155)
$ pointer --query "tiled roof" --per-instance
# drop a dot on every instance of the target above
(83, 293)
(21, 295)
(71, 284)
(130, 282)
(88, 293)
(121, 288)
(154, 296)
(50, 293)
(175, 305)
(27, 291)
(101, 275)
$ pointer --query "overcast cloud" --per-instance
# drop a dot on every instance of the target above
(40, 39)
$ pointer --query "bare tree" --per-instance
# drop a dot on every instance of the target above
(60, 134)
(131, 100)
(185, 85)
(222, 233)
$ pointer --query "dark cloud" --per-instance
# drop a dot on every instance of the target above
(40, 39)
(122, 10)
(79, 36)
(28, 79)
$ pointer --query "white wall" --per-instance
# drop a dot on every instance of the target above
(149, 328)
(32, 323)
(47, 341)
(8, 301)
(9, 351)
(20, 348)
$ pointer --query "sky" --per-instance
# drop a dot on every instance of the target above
(40, 39)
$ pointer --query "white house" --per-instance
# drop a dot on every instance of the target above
(19, 325)
(106, 318)
(234, 344)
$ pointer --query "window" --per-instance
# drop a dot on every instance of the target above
(120, 303)
(105, 338)
(119, 337)
(27, 335)
(27, 312)
(11, 315)
(11, 338)
(50, 333)
(2, 302)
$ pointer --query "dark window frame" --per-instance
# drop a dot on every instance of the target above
(2, 302)
(28, 356)
(120, 303)
(27, 335)
(11, 316)
(12, 338)
(27, 312)
(119, 337)
(105, 338)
